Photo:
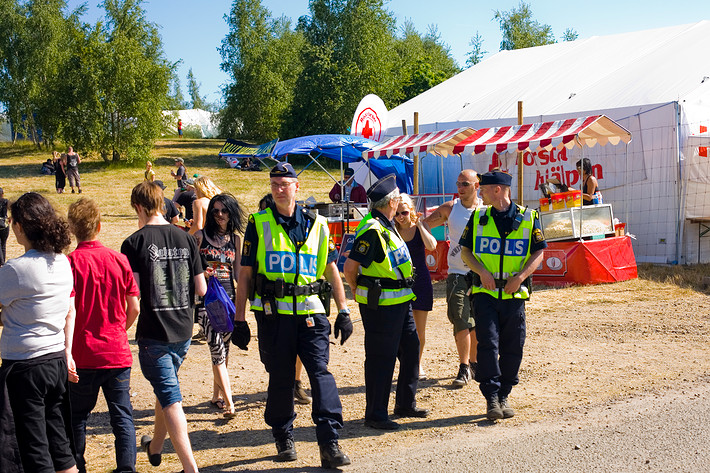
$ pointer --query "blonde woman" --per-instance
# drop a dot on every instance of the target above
(418, 237)
(149, 174)
(205, 189)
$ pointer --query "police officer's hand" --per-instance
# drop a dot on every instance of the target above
(488, 281)
(343, 325)
(513, 284)
(241, 335)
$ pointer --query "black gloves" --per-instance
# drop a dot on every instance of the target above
(241, 335)
(343, 325)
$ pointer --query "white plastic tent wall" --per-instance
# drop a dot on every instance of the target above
(650, 82)
(196, 116)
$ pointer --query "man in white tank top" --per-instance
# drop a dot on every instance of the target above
(459, 310)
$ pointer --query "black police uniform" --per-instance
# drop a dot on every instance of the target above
(390, 334)
(500, 323)
(282, 337)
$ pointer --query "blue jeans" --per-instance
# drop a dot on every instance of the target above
(115, 384)
(160, 362)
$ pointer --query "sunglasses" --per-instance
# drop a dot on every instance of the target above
(463, 184)
(404, 213)
(220, 211)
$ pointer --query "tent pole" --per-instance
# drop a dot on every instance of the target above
(416, 157)
(521, 166)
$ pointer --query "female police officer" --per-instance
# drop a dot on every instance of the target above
(379, 272)
(503, 244)
(286, 253)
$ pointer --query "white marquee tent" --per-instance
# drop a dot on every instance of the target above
(194, 117)
(655, 83)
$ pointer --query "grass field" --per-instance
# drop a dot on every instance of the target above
(110, 184)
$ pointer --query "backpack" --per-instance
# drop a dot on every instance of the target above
(219, 307)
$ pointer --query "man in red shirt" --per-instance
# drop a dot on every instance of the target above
(106, 297)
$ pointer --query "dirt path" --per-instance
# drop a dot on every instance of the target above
(587, 347)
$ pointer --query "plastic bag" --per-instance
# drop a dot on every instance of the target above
(219, 307)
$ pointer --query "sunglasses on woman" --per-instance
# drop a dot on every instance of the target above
(220, 211)
(404, 213)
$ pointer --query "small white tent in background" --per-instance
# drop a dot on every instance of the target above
(194, 117)
(650, 82)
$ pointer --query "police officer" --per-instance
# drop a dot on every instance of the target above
(379, 271)
(287, 250)
(503, 244)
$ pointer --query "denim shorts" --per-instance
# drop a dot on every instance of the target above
(160, 362)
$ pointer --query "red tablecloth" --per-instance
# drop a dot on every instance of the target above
(587, 262)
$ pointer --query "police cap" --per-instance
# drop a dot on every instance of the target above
(382, 187)
(283, 170)
(496, 178)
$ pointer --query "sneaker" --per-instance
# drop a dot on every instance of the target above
(72, 191)
(422, 373)
(153, 458)
(79, 191)
(285, 450)
(331, 456)
(299, 394)
(505, 408)
(463, 377)
(493, 411)
(473, 367)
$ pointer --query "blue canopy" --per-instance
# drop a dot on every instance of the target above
(349, 149)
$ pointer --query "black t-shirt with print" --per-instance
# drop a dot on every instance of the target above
(166, 259)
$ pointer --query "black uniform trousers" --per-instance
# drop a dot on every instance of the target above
(390, 334)
(500, 330)
(281, 338)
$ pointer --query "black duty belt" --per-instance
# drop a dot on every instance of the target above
(279, 288)
(385, 283)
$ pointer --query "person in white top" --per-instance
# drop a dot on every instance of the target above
(459, 310)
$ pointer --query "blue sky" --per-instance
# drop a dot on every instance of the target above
(193, 30)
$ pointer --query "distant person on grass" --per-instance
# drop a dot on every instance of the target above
(179, 175)
(169, 272)
(106, 300)
(72, 169)
(60, 174)
(149, 174)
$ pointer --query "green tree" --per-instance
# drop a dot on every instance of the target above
(262, 57)
(350, 53)
(475, 55)
(520, 30)
(176, 101)
(33, 35)
(570, 35)
(119, 85)
(193, 88)
(423, 61)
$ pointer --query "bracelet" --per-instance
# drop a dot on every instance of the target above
(344, 311)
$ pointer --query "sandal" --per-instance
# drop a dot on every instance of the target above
(219, 404)
(229, 415)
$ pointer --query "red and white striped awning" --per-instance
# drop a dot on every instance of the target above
(436, 142)
(585, 131)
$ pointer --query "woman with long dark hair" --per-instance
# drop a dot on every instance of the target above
(220, 245)
(38, 320)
